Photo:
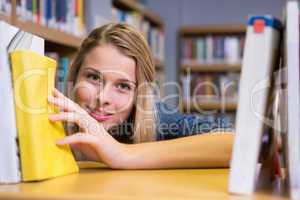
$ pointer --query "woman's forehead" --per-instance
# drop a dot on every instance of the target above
(108, 55)
(109, 61)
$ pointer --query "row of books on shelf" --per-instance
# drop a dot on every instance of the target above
(5, 7)
(212, 49)
(154, 35)
(207, 87)
(68, 16)
(27, 138)
(64, 15)
(63, 63)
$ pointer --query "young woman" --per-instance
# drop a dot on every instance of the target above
(119, 122)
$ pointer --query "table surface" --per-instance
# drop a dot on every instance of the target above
(98, 182)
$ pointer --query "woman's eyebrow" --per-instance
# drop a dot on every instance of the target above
(126, 80)
(92, 69)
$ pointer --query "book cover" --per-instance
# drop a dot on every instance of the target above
(33, 80)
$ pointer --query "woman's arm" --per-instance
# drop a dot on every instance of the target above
(205, 150)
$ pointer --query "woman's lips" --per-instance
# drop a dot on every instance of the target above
(100, 117)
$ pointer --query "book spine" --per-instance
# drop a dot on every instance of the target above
(29, 10)
(34, 11)
(42, 12)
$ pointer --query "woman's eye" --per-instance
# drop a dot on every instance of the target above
(93, 77)
(124, 86)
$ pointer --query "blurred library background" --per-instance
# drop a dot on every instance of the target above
(197, 44)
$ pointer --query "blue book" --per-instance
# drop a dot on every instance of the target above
(62, 73)
(48, 11)
(65, 11)
(57, 10)
(29, 9)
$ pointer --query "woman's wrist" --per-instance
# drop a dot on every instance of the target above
(112, 152)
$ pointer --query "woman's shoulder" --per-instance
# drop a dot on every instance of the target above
(171, 123)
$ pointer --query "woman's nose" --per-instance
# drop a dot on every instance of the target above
(104, 97)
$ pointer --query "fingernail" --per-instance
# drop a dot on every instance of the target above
(59, 142)
(49, 98)
(51, 118)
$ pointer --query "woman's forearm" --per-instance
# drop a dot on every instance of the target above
(206, 150)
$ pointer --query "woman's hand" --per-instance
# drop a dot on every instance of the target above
(92, 140)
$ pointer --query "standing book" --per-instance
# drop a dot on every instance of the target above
(293, 78)
(9, 167)
(33, 81)
(261, 51)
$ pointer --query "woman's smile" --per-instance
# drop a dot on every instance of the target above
(100, 117)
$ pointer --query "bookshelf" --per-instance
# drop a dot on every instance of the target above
(196, 67)
(66, 43)
(210, 56)
(136, 14)
(5, 18)
(213, 29)
(130, 5)
(50, 35)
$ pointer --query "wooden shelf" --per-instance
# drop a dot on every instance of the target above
(212, 69)
(209, 105)
(212, 29)
(134, 6)
(194, 67)
(49, 34)
(5, 18)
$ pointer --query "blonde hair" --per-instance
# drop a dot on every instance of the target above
(132, 44)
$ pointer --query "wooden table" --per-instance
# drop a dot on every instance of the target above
(103, 183)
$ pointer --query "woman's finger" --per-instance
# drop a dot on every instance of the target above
(57, 93)
(72, 117)
(78, 138)
(88, 151)
(64, 105)
(83, 121)
(70, 104)
(59, 103)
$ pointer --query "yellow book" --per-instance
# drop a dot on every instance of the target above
(33, 81)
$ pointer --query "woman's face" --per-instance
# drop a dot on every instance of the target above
(106, 85)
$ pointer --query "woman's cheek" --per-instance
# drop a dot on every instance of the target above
(85, 93)
(123, 102)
